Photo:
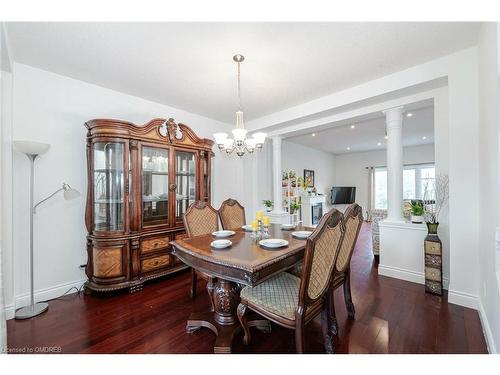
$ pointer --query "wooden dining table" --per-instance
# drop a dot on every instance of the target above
(244, 263)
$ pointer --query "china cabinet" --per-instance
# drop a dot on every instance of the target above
(141, 180)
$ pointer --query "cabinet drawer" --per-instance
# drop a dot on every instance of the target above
(152, 244)
(433, 274)
(152, 264)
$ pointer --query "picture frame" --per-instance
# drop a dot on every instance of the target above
(309, 175)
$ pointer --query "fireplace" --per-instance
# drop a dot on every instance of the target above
(312, 209)
(316, 213)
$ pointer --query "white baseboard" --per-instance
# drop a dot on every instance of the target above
(41, 295)
(407, 275)
(463, 299)
(486, 329)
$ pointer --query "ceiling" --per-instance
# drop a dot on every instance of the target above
(369, 131)
(189, 65)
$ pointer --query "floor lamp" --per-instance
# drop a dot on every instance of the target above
(32, 150)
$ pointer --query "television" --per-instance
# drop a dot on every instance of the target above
(343, 194)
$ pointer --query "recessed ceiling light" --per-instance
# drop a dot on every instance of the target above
(348, 148)
(379, 144)
(313, 134)
(409, 114)
(386, 137)
(424, 137)
(352, 126)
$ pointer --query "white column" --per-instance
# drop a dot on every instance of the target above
(394, 126)
(277, 193)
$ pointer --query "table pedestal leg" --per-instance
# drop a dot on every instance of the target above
(223, 321)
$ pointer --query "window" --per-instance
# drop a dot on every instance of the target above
(418, 183)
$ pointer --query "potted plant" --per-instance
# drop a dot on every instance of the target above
(268, 204)
(294, 206)
(417, 212)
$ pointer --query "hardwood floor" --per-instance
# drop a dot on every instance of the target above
(392, 316)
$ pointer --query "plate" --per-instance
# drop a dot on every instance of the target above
(273, 243)
(223, 233)
(288, 226)
(302, 234)
(247, 228)
(220, 244)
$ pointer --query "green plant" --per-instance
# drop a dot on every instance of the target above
(294, 206)
(417, 208)
(268, 203)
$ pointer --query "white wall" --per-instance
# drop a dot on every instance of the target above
(6, 291)
(297, 157)
(351, 167)
(488, 183)
(52, 108)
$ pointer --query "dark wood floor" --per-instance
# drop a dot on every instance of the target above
(392, 316)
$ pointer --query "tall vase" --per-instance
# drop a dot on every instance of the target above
(433, 249)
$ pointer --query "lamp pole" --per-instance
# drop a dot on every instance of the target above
(38, 308)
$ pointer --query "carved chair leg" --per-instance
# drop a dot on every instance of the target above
(347, 295)
(327, 328)
(334, 328)
(210, 291)
(194, 279)
(244, 324)
(299, 337)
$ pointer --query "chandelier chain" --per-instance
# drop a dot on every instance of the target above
(239, 88)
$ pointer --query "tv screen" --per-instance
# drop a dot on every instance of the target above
(343, 194)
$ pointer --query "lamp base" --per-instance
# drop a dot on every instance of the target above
(31, 311)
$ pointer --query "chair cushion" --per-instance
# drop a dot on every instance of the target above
(278, 295)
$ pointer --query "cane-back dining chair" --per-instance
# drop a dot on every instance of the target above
(352, 222)
(200, 219)
(232, 214)
(292, 302)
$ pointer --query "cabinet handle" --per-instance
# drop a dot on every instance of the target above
(172, 187)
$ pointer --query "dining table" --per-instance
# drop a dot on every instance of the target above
(244, 263)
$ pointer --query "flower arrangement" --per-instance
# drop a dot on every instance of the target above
(441, 193)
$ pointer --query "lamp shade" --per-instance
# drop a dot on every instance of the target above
(31, 148)
(239, 134)
(70, 193)
(220, 138)
(259, 137)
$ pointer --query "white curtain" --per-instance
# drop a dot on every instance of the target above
(371, 194)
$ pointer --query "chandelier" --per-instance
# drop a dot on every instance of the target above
(239, 143)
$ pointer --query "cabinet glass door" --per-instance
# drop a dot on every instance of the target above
(108, 186)
(185, 179)
(154, 186)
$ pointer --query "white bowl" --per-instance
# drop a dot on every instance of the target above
(220, 244)
(302, 234)
(247, 228)
(288, 226)
(223, 233)
(273, 242)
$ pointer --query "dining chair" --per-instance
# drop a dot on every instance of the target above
(352, 221)
(292, 302)
(232, 214)
(200, 219)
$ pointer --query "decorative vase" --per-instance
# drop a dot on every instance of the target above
(269, 209)
(433, 251)
(417, 219)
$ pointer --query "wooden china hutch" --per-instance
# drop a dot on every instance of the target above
(141, 180)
